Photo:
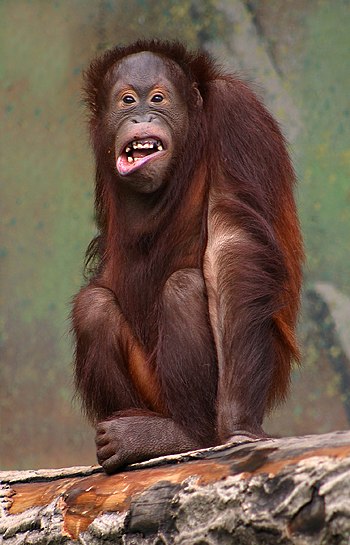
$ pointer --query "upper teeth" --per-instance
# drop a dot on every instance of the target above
(136, 144)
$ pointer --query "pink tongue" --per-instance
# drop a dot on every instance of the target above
(123, 167)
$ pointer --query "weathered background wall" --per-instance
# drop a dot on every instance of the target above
(298, 51)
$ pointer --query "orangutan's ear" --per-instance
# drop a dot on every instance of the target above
(197, 96)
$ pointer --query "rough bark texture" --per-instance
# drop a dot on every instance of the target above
(279, 491)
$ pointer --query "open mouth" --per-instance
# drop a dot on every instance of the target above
(138, 152)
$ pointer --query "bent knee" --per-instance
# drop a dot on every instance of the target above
(184, 283)
(93, 304)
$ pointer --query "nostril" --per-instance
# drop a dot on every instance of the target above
(148, 118)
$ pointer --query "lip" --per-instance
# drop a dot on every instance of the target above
(125, 168)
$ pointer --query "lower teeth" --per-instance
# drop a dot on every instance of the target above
(131, 159)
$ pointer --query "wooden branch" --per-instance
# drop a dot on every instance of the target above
(280, 491)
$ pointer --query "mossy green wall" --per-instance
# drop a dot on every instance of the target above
(322, 90)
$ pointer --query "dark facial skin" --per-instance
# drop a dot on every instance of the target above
(146, 109)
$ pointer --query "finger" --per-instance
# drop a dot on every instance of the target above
(113, 463)
(101, 439)
(100, 428)
(105, 452)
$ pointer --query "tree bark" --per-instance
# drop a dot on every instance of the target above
(293, 490)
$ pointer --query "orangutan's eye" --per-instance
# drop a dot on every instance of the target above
(128, 99)
(157, 98)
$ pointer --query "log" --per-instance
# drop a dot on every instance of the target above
(292, 490)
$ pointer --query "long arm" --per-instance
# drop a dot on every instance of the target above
(101, 370)
(253, 258)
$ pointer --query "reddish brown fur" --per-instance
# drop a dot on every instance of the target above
(227, 219)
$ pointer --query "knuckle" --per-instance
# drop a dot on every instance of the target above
(100, 428)
(100, 458)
